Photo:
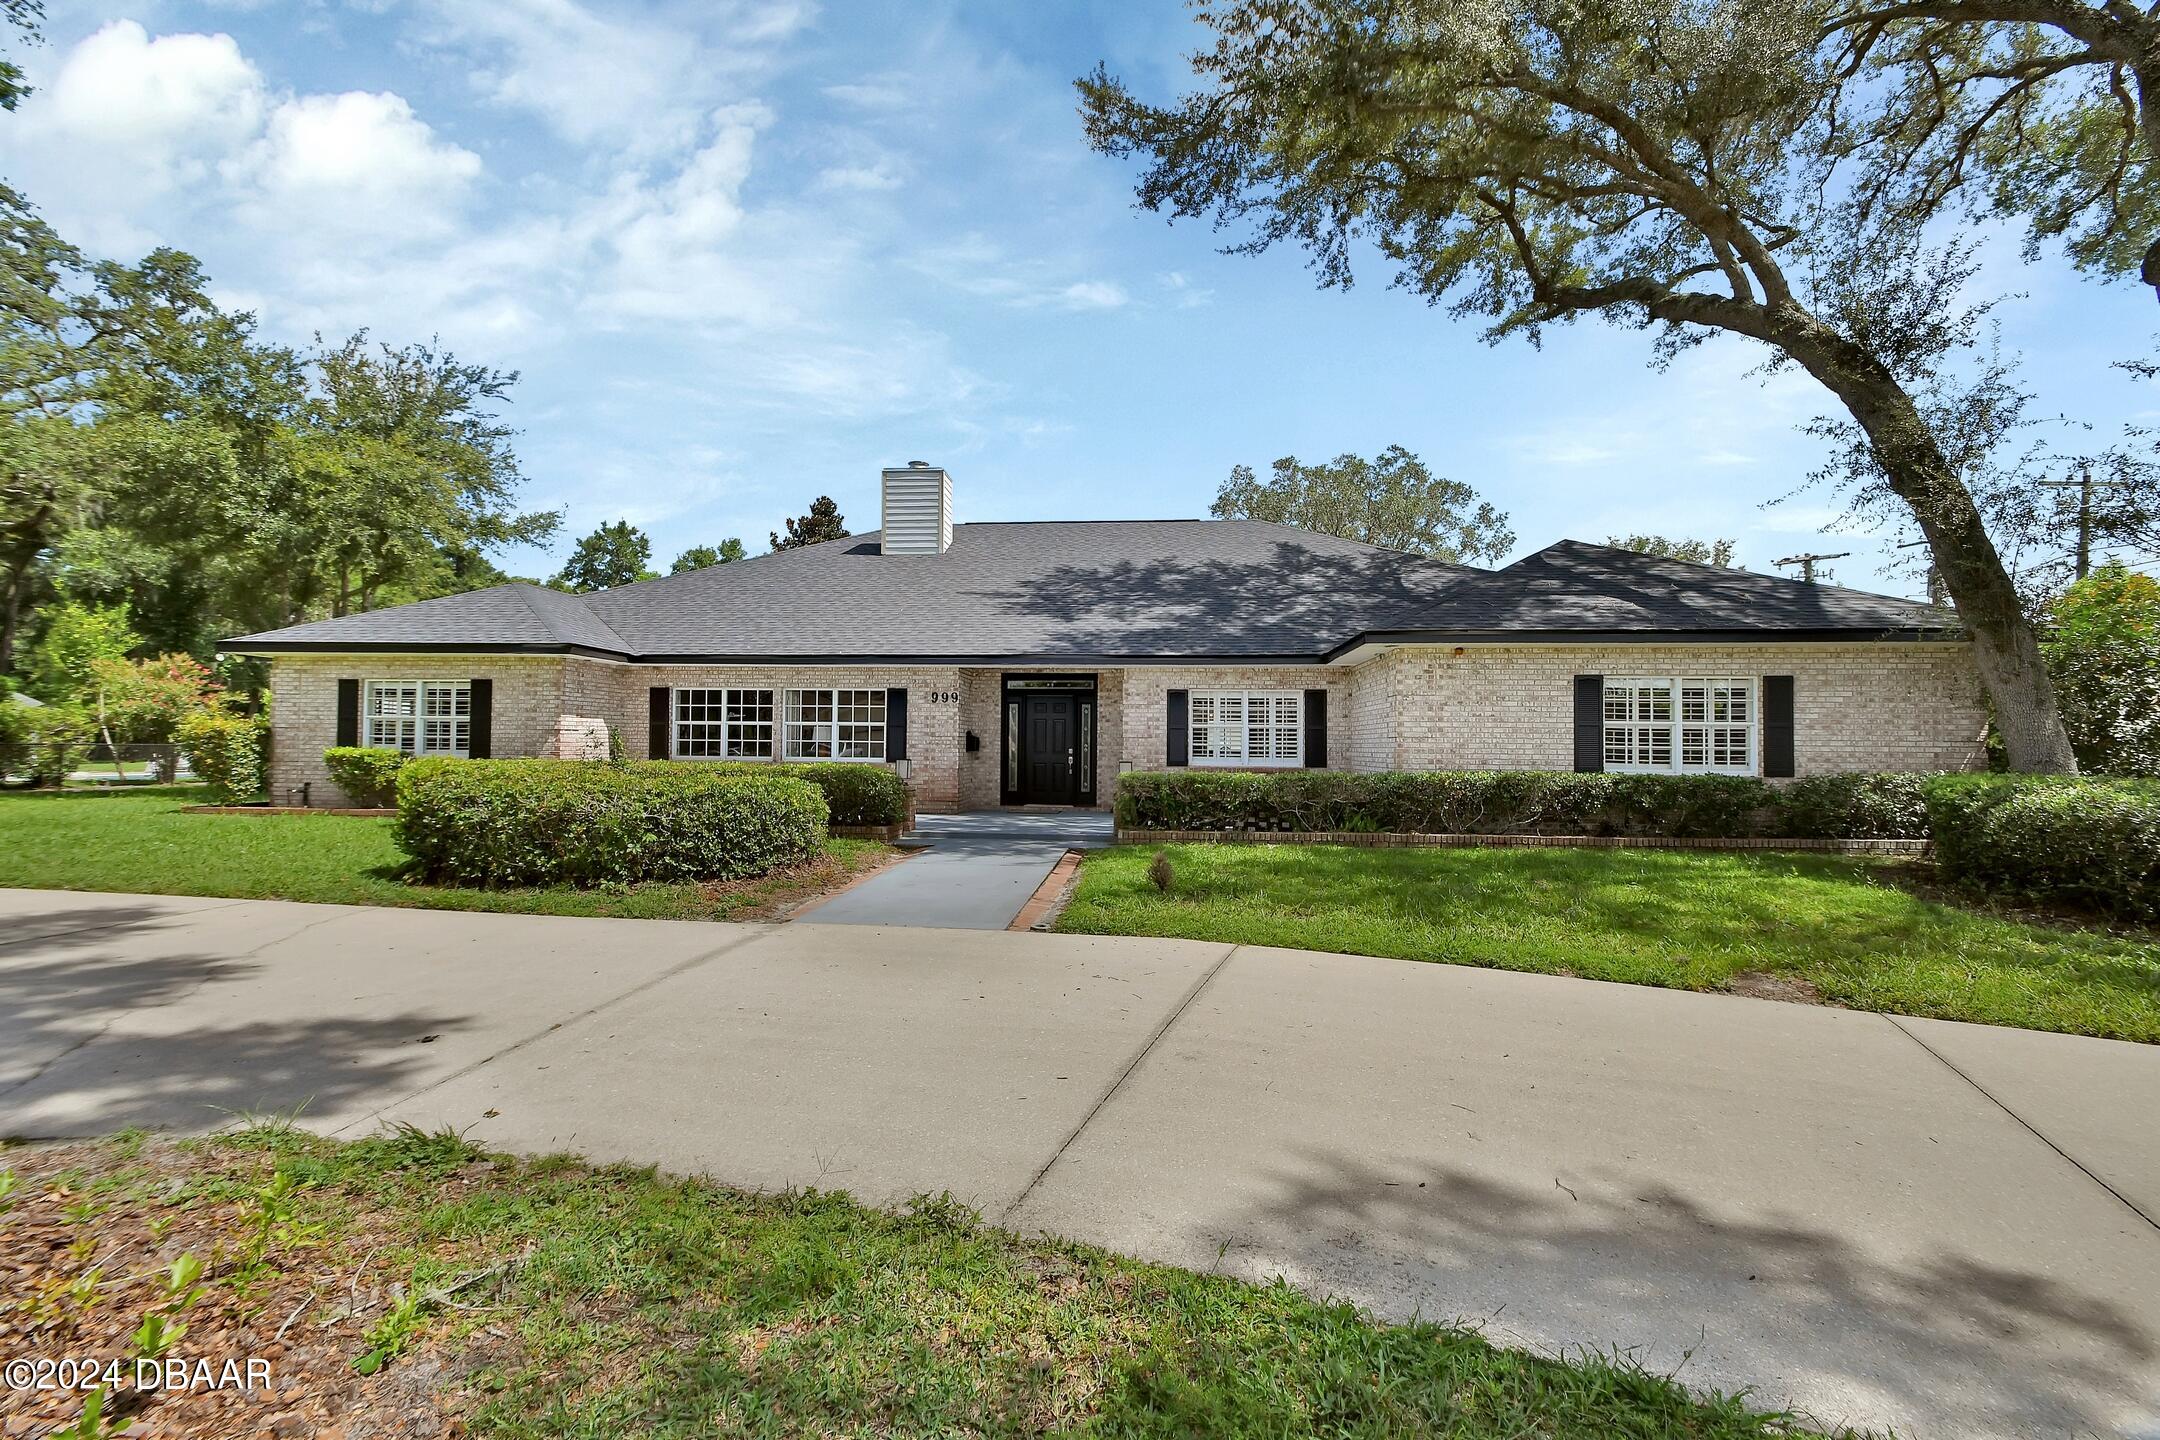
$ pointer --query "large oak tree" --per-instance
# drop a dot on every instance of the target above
(1532, 161)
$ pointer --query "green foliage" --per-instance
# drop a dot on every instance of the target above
(854, 794)
(615, 554)
(1889, 806)
(77, 639)
(824, 522)
(1393, 502)
(144, 701)
(2102, 643)
(1700, 552)
(366, 773)
(56, 738)
(702, 557)
(545, 822)
(1526, 802)
(2086, 843)
(157, 452)
(229, 751)
(388, 1337)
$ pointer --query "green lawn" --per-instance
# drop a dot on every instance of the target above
(1687, 919)
(142, 841)
(546, 1298)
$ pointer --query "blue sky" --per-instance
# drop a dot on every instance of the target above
(746, 253)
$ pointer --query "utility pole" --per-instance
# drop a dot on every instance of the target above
(1938, 592)
(2084, 485)
(1807, 563)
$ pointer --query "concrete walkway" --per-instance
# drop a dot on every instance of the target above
(1888, 1222)
(978, 869)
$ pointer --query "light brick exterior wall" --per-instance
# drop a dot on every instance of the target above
(1888, 706)
(303, 709)
(1883, 706)
(1146, 704)
(933, 717)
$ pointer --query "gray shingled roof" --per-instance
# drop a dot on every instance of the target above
(1086, 590)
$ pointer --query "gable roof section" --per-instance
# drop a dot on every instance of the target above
(1574, 590)
(515, 618)
(1098, 591)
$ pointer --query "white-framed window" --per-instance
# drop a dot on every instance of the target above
(834, 725)
(723, 724)
(418, 717)
(1681, 724)
(1255, 728)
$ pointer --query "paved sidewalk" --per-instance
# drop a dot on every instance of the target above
(979, 868)
(1887, 1222)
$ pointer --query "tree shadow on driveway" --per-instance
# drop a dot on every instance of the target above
(97, 1033)
(1940, 1341)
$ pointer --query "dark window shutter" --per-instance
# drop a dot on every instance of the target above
(659, 723)
(1177, 735)
(481, 744)
(1777, 726)
(895, 724)
(1589, 723)
(1316, 729)
(348, 712)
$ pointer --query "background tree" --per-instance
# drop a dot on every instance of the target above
(2046, 111)
(2103, 648)
(1701, 552)
(22, 16)
(701, 557)
(63, 667)
(1533, 161)
(1392, 501)
(824, 522)
(138, 702)
(612, 555)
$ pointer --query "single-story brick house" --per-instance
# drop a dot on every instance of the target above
(1035, 662)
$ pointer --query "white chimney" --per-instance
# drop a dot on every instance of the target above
(918, 510)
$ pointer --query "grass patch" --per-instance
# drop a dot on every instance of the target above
(418, 1279)
(142, 842)
(1689, 920)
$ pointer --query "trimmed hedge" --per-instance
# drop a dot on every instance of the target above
(227, 750)
(2091, 843)
(583, 822)
(1523, 802)
(366, 773)
(854, 794)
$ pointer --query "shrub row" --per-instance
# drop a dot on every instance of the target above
(547, 822)
(1526, 802)
(2089, 843)
(855, 794)
(366, 773)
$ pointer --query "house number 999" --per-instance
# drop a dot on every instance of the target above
(944, 697)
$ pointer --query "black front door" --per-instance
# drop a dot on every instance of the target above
(1049, 743)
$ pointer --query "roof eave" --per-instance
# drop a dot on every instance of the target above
(1758, 636)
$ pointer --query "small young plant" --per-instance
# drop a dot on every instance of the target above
(1160, 874)
(10, 1182)
(275, 1223)
(388, 1337)
(91, 1424)
(155, 1336)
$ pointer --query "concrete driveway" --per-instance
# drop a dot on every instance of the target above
(977, 869)
(1945, 1228)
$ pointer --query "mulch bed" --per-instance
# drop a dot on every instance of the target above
(80, 1268)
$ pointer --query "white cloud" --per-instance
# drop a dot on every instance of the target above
(355, 163)
(635, 83)
(1094, 295)
(142, 118)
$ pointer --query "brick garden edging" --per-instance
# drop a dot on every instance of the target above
(886, 833)
(286, 810)
(1390, 841)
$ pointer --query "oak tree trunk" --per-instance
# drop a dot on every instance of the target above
(2008, 651)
